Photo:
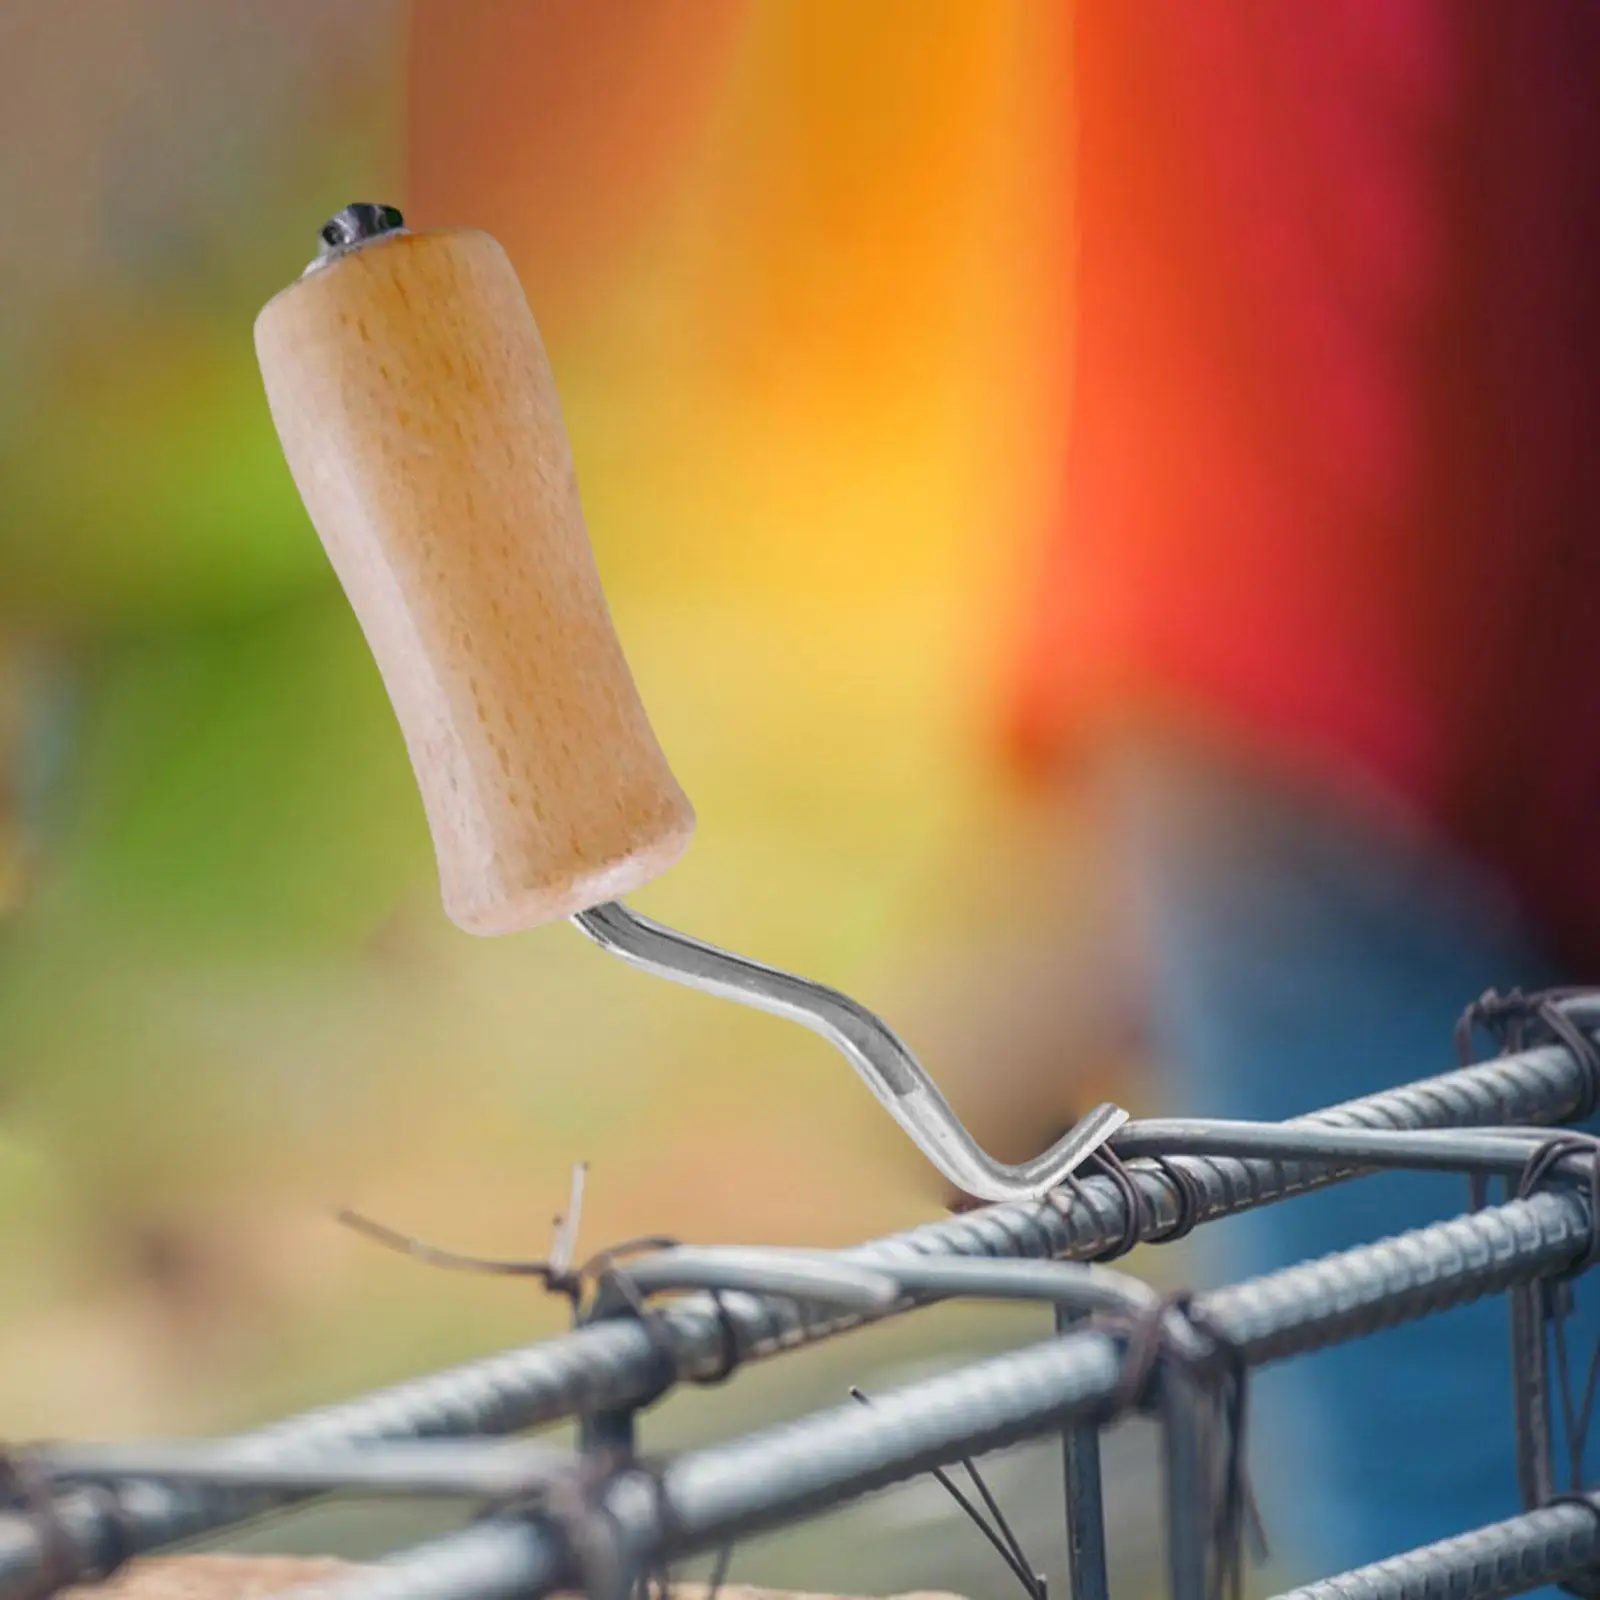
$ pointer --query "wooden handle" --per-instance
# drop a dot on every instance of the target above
(415, 404)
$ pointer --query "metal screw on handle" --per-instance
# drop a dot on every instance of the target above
(358, 223)
(883, 1059)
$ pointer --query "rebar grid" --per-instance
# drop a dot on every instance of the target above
(784, 1474)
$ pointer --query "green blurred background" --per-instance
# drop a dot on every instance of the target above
(801, 268)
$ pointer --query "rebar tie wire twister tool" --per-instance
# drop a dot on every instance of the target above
(419, 417)
(411, 392)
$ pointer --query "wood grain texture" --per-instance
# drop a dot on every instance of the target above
(250, 1577)
(411, 391)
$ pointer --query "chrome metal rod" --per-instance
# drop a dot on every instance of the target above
(473, 1469)
(1501, 1152)
(815, 1276)
(884, 1061)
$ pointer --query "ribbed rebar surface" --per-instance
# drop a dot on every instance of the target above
(782, 1474)
(615, 1364)
(1502, 1559)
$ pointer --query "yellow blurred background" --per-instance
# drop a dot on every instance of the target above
(802, 269)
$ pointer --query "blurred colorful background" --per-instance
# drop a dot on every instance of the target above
(800, 266)
(809, 276)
